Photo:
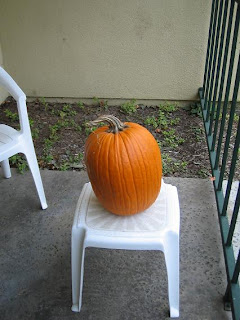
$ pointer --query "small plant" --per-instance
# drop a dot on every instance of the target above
(64, 166)
(198, 132)
(101, 103)
(78, 157)
(62, 114)
(159, 144)
(170, 166)
(195, 108)
(68, 110)
(74, 158)
(203, 173)
(78, 127)
(48, 158)
(80, 105)
(162, 119)
(63, 123)
(171, 140)
(168, 107)
(35, 133)
(236, 117)
(45, 104)
(53, 137)
(96, 100)
(151, 121)
(13, 116)
(71, 161)
(89, 130)
(174, 122)
(104, 104)
(48, 144)
(20, 162)
(129, 107)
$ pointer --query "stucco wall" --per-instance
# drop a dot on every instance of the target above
(3, 93)
(151, 49)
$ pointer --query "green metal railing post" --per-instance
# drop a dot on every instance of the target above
(219, 77)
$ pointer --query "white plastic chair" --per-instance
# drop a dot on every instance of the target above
(13, 141)
(157, 228)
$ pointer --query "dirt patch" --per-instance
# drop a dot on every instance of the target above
(59, 132)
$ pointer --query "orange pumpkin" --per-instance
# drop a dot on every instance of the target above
(124, 166)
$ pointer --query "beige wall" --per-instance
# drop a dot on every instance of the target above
(146, 49)
(3, 93)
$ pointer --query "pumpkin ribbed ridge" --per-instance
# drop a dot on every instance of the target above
(124, 168)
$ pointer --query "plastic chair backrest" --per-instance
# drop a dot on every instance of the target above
(10, 85)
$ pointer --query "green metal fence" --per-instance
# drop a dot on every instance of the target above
(220, 111)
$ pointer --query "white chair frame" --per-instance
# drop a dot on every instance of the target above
(111, 232)
(13, 141)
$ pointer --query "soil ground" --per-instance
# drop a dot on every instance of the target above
(60, 131)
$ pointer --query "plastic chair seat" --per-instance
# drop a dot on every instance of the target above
(156, 228)
(8, 135)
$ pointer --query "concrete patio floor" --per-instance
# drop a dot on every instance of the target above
(35, 263)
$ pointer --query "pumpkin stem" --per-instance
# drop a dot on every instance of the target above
(115, 125)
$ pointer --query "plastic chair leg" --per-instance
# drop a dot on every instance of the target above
(78, 253)
(6, 168)
(33, 165)
(171, 253)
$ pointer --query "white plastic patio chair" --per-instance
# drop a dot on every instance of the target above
(13, 141)
(157, 228)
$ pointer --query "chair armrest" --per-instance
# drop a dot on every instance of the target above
(10, 85)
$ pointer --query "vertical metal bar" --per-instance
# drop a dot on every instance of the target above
(234, 218)
(209, 100)
(230, 123)
(228, 35)
(210, 57)
(232, 169)
(236, 270)
(208, 46)
(218, 65)
(235, 34)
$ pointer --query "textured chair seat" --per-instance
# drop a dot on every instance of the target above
(152, 219)
(7, 134)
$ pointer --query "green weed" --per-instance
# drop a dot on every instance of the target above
(101, 103)
(20, 162)
(96, 100)
(89, 130)
(174, 122)
(162, 120)
(170, 166)
(170, 139)
(45, 104)
(67, 109)
(64, 166)
(13, 116)
(129, 107)
(151, 121)
(195, 108)
(203, 173)
(80, 105)
(199, 133)
(104, 104)
(34, 131)
(71, 161)
(167, 107)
